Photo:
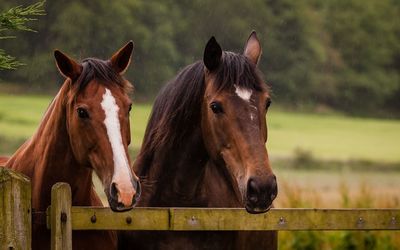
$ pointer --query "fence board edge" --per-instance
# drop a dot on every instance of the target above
(197, 219)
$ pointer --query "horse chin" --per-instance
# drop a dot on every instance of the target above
(117, 206)
(257, 210)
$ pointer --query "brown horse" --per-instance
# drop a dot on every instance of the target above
(85, 129)
(204, 146)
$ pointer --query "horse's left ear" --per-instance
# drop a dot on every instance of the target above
(121, 59)
(252, 49)
(212, 54)
(67, 66)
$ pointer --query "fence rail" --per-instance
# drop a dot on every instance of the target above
(62, 218)
(196, 219)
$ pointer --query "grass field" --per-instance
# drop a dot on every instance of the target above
(334, 137)
(320, 137)
(324, 136)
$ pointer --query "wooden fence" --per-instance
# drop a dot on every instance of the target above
(62, 218)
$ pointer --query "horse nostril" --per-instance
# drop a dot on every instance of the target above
(252, 191)
(114, 191)
(252, 187)
(253, 198)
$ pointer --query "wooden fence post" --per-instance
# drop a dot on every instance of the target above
(60, 216)
(15, 210)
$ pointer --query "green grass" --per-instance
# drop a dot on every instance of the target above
(334, 137)
(20, 115)
(324, 136)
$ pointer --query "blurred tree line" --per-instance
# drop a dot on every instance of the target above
(342, 54)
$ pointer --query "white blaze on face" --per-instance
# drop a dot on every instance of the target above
(122, 174)
(243, 93)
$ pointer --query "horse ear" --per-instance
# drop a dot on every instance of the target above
(67, 66)
(252, 49)
(121, 59)
(212, 54)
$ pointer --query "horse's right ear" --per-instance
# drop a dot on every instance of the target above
(252, 49)
(122, 58)
(67, 66)
(212, 54)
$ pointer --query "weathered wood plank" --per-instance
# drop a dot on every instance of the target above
(60, 217)
(92, 218)
(286, 219)
(236, 219)
(15, 210)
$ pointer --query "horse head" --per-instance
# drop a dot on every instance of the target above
(234, 110)
(97, 120)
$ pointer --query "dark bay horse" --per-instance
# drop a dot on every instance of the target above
(204, 146)
(85, 129)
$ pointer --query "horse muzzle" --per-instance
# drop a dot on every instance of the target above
(122, 198)
(260, 194)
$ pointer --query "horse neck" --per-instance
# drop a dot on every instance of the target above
(48, 158)
(185, 176)
(174, 174)
(217, 188)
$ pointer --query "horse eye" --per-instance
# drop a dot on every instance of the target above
(216, 107)
(268, 103)
(82, 113)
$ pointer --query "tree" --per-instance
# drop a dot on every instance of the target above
(368, 44)
(16, 19)
(344, 54)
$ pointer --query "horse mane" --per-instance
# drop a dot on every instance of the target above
(100, 70)
(177, 109)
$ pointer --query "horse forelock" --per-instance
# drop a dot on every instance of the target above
(236, 70)
(102, 72)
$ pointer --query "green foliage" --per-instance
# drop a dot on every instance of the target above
(342, 54)
(368, 43)
(16, 19)
(308, 240)
(7, 61)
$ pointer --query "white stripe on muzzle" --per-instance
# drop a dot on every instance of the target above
(122, 175)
